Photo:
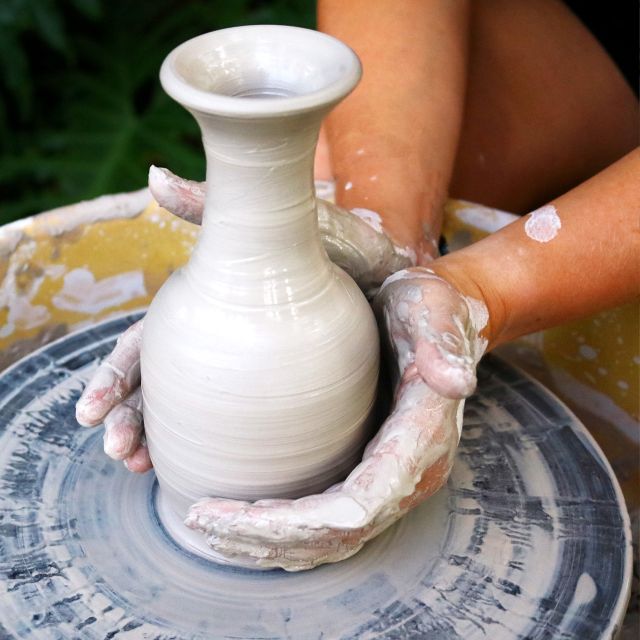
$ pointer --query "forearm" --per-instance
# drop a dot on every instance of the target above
(591, 264)
(394, 140)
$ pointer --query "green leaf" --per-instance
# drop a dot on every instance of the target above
(99, 117)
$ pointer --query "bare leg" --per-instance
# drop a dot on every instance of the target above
(546, 107)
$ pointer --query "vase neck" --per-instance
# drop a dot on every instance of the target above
(260, 224)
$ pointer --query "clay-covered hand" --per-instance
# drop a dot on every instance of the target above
(434, 333)
(354, 240)
(113, 396)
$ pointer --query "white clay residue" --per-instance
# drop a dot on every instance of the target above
(478, 313)
(17, 297)
(413, 294)
(403, 274)
(586, 591)
(479, 318)
(587, 352)
(372, 218)
(364, 252)
(485, 218)
(23, 315)
(82, 293)
(344, 511)
(9, 240)
(543, 224)
(109, 207)
(325, 190)
(409, 253)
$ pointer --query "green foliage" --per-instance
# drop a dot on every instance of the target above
(82, 112)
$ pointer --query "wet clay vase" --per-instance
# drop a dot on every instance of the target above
(260, 357)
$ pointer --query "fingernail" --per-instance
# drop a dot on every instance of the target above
(97, 397)
(107, 443)
(159, 176)
(90, 409)
(114, 446)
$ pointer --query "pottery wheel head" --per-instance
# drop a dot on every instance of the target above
(529, 538)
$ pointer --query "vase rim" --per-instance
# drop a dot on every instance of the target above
(327, 70)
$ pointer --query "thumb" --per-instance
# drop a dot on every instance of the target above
(447, 370)
(431, 317)
(183, 198)
(447, 354)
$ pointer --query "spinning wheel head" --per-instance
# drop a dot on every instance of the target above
(530, 537)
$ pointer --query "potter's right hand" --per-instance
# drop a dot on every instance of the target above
(435, 332)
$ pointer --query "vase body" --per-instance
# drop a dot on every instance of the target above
(259, 357)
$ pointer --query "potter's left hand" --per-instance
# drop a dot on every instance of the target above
(434, 332)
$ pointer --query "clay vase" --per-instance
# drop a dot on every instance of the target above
(260, 357)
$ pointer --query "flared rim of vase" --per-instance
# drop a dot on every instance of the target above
(283, 70)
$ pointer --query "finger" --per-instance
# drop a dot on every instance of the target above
(184, 198)
(123, 427)
(305, 520)
(114, 379)
(139, 461)
(290, 558)
(267, 546)
(451, 374)
(411, 456)
(429, 325)
(443, 349)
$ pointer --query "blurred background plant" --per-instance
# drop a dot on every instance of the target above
(82, 112)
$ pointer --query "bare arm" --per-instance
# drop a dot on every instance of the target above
(394, 141)
(592, 263)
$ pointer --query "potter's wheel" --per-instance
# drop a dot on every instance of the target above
(529, 538)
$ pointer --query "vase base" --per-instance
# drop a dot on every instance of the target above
(194, 541)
